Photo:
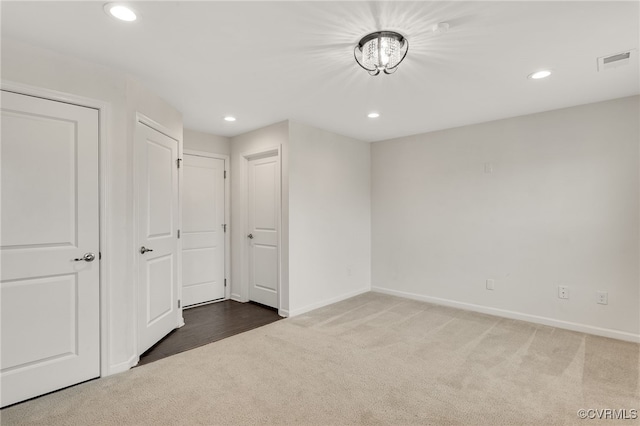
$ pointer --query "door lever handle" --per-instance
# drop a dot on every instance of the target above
(250, 236)
(88, 257)
(143, 250)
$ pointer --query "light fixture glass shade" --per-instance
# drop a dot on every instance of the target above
(381, 51)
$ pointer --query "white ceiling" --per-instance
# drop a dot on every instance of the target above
(269, 61)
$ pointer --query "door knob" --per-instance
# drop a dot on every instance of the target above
(88, 257)
(143, 250)
(250, 236)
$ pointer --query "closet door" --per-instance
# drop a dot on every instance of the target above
(49, 246)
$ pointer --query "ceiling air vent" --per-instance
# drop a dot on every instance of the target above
(616, 60)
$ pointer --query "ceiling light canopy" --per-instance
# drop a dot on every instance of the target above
(381, 51)
(229, 118)
(120, 11)
(540, 74)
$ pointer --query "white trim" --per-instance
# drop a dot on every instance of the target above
(158, 127)
(127, 365)
(327, 302)
(227, 212)
(284, 313)
(583, 328)
(205, 154)
(236, 297)
(104, 115)
(245, 157)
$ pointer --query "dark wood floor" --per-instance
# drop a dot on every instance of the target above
(210, 323)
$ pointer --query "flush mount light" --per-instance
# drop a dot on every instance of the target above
(120, 11)
(381, 51)
(539, 74)
(373, 115)
(229, 118)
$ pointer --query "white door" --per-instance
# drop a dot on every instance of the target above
(203, 229)
(50, 295)
(264, 226)
(157, 248)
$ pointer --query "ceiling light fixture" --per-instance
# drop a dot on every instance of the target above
(121, 12)
(373, 115)
(539, 74)
(381, 51)
(229, 118)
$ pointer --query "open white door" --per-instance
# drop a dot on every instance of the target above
(49, 246)
(203, 230)
(263, 192)
(157, 248)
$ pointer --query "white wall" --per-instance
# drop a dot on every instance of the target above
(273, 136)
(329, 217)
(199, 141)
(561, 207)
(30, 65)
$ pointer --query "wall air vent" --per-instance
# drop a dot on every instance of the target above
(616, 60)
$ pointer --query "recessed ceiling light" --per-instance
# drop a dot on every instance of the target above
(120, 11)
(373, 115)
(229, 118)
(540, 74)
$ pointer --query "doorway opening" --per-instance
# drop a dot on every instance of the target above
(204, 233)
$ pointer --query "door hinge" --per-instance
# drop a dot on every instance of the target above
(225, 174)
(224, 226)
(178, 303)
(225, 282)
(99, 255)
(179, 162)
(178, 234)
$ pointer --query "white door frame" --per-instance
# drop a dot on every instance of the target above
(140, 118)
(227, 213)
(245, 157)
(104, 112)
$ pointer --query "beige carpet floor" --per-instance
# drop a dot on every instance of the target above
(373, 359)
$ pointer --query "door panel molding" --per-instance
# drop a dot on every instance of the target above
(104, 183)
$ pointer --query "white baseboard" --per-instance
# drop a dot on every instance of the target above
(123, 366)
(283, 313)
(589, 329)
(237, 298)
(326, 302)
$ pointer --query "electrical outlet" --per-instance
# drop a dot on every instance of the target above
(490, 284)
(563, 292)
(603, 298)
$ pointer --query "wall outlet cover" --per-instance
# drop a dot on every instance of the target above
(602, 298)
(563, 292)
